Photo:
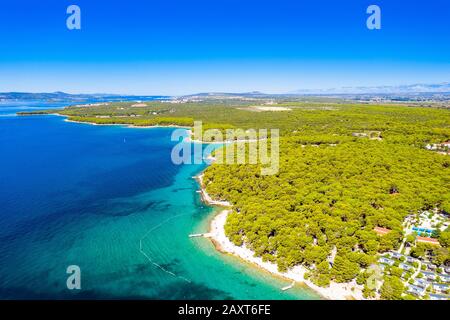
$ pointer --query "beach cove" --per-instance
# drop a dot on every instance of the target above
(216, 233)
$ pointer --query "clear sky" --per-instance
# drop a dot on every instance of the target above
(189, 46)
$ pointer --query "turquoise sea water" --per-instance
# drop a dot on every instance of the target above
(94, 196)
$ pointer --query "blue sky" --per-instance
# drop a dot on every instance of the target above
(180, 47)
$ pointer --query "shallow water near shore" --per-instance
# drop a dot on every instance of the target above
(109, 199)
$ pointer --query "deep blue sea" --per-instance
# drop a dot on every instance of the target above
(109, 200)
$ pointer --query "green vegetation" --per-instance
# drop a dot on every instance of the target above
(156, 121)
(444, 238)
(392, 288)
(437, 255)
(333, 187)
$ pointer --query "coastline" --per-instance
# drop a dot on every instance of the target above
(188, 139)
(207, 198)
(335, 291)
(119, 124)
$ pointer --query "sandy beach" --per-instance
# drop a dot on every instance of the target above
(207, 198)
(336, 291)
(216, 233)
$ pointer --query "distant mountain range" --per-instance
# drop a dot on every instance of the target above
(402, 89)
(413, 89)
(63, 96)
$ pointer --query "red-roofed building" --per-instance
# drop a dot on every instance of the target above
(428, 240)
(381, 231)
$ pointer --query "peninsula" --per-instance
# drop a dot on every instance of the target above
(354, 180)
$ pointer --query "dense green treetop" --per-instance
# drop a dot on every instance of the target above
(333, 186)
